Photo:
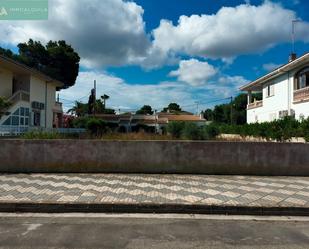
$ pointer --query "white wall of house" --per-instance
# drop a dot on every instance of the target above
(6, 79)
(282, 100)
(37, 94)
(51, 98)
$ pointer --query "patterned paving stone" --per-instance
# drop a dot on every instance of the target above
(156, 189)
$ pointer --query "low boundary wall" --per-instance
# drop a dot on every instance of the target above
(185, 157)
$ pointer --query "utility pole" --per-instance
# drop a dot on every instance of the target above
(231, 110)
(95, 96)
(197, 105)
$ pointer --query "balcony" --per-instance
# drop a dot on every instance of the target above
(58, 107)
(301, 95)
(255, 104)
(19, 96)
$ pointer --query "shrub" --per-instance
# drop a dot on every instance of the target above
(96, 126)
(191, 131)
(210, 131)
(41, 135)
(175, 128)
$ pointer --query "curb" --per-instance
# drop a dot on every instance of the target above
(150, 208)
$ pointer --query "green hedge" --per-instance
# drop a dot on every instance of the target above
(280, 130)
(192, 131)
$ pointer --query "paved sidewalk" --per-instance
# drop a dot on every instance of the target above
(170, 190)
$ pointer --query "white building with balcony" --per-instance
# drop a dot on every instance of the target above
(285, 92)
(32, 95)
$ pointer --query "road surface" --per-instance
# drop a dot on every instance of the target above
(151, 231)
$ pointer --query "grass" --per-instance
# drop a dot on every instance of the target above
(135, 136)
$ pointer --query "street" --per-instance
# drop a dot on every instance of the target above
(151, 231)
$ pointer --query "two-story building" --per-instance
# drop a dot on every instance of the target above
(32, 95)
(285, 91)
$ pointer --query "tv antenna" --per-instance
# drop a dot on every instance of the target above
(294, 22)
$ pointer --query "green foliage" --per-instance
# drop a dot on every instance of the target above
(80, 122)
(57, 59)
(210, 131)
(192, 131)
(42, 135)
(222, 113)
(280, 130)
(146, 109)
(96, 126)
(4, 105)
(79, 109)
(172, 107)
(175, 128)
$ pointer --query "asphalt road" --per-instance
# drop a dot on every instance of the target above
(151, 231)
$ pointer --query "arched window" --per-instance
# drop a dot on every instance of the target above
(302, 78)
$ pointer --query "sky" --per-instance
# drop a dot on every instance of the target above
(156, 51)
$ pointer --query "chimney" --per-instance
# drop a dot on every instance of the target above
(292, 57)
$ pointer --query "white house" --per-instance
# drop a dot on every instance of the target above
(285, 92)
(32, 95)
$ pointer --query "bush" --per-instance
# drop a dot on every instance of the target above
(280, 130)
(41, 135)
(210, 131)
(191, 131)
(175, 128)
(96, 126)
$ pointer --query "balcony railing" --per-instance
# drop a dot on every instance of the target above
(19, 96)
(301, 94)
(255, 104)
(58, 107)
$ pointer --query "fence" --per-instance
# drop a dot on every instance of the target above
(7, 130)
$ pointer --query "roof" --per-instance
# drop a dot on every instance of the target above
(182, 117)
(149, 119)
(22, 68)
(275, 73)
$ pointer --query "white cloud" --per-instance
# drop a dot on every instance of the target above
(194, 72)
(109, 32)
(230, 32)
(270, 66)
(132, 96)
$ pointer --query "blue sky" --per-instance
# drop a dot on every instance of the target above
(157, 51)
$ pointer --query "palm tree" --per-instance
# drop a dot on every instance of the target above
(79, 109)
(104, 98)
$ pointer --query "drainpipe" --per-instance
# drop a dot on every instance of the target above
(45, 106)
(289, 96)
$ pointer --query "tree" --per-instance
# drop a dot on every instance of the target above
(104, 98)
(57, 59)
(208, 115)
(146, 109)
(172, 107)
(79, 109)
(4, 105)
(222, 113)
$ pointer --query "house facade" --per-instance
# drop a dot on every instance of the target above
(156, 122)
(285, 92)
(32, 95)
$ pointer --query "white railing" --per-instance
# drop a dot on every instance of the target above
(7, 130)
(255, 104)
(19, 96)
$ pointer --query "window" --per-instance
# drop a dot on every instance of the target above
(302, 79)
(18, 118)
(270, 90)
(36, 119)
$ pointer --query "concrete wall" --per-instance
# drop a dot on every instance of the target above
(77, 156)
